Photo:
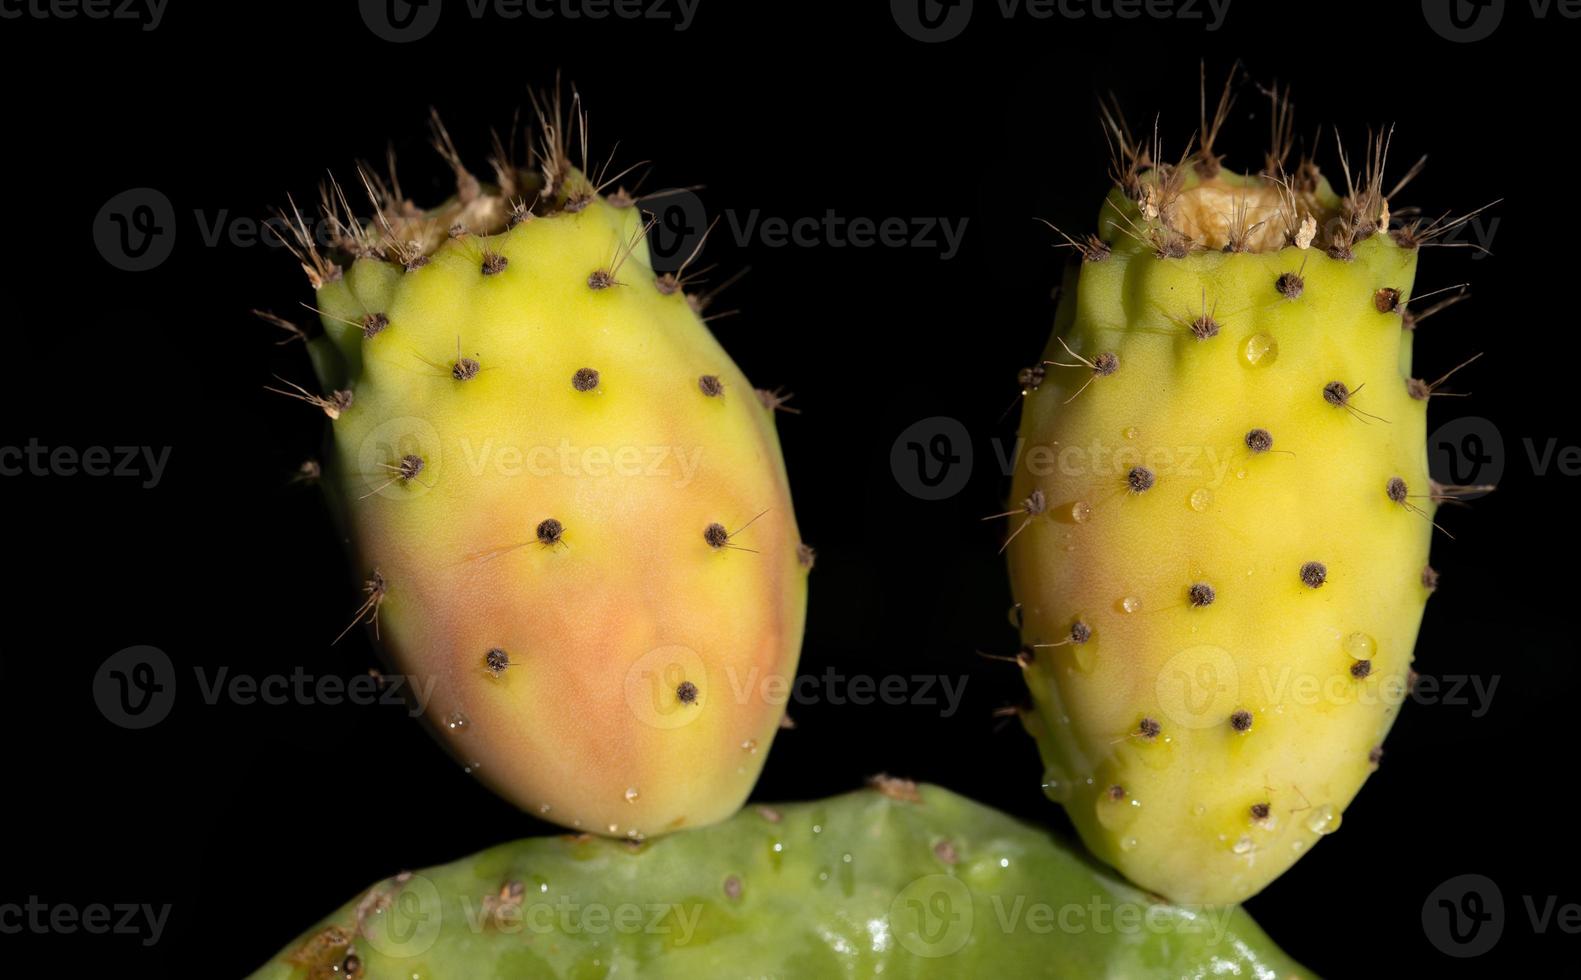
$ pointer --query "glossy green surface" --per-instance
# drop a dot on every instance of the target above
(912, 882)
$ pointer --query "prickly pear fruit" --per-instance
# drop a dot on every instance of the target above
(911, 882)
(1221, 548)
(568, 503)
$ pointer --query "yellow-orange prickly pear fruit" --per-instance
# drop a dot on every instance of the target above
(568, 503)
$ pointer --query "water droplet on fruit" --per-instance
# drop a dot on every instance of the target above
(1056, 785)
(1155, 753)
(1117, 814)
(631, 794)
(1080, 511)
(1198, 810)
(1131, 432)
(1260, 350)
(456, 722)
(1201, 499)
(1115, 806)
(750, 745)
(543, 808)
(1360, 646)
(1130, 604)
(1243, 846)
(1324, 820)
(1128, 843)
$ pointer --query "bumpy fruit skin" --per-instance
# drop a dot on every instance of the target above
(1205, 739)
(861, 885)
(593, 572)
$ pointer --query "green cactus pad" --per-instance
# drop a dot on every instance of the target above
(906, 881)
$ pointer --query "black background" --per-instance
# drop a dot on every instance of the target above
(253, 821)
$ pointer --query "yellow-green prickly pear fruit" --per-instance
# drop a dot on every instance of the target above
(568, 503)
(1221, 544)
